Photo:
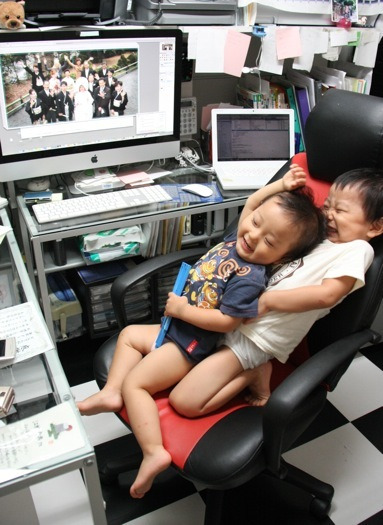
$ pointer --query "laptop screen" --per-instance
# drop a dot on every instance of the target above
(253, 136)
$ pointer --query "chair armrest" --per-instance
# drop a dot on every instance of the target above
(144, 270)
(293, 391)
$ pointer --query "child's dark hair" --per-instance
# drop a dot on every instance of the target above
(369, 184)
(308, 219)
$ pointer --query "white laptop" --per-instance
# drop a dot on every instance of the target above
(249, 146)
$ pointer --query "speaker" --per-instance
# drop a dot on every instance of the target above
(198, 224)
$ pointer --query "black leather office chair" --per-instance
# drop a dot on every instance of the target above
(230, 447)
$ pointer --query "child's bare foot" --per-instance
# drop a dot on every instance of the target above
(107, 400)
(150, 467)
(260, 385)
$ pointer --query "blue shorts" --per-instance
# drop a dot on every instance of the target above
(193, 342)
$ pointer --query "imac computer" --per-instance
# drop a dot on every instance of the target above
(147, 64)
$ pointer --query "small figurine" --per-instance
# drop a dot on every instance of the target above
(12, 15)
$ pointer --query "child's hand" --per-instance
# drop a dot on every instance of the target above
(175, 305)
(294, 178)
(262, 308)
(262, 304)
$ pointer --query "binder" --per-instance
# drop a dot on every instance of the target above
(292, 102)
(301, 79)
(177, 289)
(303, 105)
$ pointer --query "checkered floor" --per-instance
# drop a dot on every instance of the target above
(344, 447)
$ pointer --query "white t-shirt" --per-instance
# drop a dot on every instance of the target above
(278, 333)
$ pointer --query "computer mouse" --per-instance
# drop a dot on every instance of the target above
(198, 189)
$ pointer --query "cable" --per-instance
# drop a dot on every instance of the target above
(126, 21)
(199, 148)
(184, 157)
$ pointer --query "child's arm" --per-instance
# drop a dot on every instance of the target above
(324, 295)
(294, 178)
(207, 319)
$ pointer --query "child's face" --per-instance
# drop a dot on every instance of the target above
(346, 220)
(265, 236)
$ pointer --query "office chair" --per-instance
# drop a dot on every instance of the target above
(226, 449)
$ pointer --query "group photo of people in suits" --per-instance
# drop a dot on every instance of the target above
(65, 88)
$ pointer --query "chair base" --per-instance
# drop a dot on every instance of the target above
(321, 492)
(318, 494)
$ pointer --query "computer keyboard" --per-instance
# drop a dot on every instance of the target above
(100, 203)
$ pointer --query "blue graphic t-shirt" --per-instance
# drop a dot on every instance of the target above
(220, 279)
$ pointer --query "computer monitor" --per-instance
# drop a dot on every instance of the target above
(146, 61)
(74, 12)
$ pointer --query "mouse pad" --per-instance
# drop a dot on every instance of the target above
(178, 195)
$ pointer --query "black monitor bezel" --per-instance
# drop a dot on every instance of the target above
(89, 33)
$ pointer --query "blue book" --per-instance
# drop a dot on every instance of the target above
(303, 104)
(177, 289)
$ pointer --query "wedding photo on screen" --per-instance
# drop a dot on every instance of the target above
(62, 94)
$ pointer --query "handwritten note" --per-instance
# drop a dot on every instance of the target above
(24, 323)
(38, 438)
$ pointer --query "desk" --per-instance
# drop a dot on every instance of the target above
(40, 260)
(40, 382)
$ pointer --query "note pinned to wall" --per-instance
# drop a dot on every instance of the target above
(235, 52)
(269, 61)
(209, 50)
(288, 42)
(218, 50)
(314, 41)
(365, 53)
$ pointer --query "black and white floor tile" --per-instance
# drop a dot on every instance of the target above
(344, 447)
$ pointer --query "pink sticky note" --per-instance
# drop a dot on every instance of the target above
(236, 48)
(288, 42)
(132, 176)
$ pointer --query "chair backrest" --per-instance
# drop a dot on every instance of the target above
(343, 132)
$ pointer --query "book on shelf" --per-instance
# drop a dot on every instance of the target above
(253, 91)
(251, 99)
(357, 78)
(155, 234)
(278, 97)
(302, 79)
(358, 85)
(330, 77)
(164, 236)
(303, 104)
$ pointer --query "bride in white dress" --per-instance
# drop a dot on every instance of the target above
(83, 103)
